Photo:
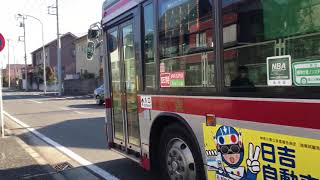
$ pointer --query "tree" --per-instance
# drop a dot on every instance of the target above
(5, 81)
(50, 74)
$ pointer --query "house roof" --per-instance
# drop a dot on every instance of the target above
(54, 41)
(81, 38)
(12, 66)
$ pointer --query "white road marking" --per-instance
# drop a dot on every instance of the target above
(104, 174)
(69, 109)
(54, 97)
(34, 101)
(79, 112)
(58, 98)
(64, 108)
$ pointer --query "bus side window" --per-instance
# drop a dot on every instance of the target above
(257, 30)
(149, 59)
(186, 44)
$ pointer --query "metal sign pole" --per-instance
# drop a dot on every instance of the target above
(1, 106)
(2, 44)
(9, 80)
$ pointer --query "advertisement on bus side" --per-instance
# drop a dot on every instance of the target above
(279, 71)
(172, 79)
(164, 80)
(306, 73)
(236, 153)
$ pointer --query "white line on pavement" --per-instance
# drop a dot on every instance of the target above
(53, 97)
(60, 98)
(69, 109)
(79, 112)
(34, 101)
(64, 108)
(104, 174)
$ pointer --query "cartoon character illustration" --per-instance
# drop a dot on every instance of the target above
(230, 155)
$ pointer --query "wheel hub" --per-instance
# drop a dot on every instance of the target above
(174, 166)
(179, 159)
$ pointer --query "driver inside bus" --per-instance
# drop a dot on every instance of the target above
(242, 81)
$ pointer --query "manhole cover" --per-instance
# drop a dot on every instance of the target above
(62, 166)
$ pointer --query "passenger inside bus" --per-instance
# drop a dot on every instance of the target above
(242, 81)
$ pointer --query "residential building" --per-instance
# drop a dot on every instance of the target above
(82, 64)
(68, 59)
(15, 71)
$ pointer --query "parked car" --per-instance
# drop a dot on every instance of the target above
(99, 95)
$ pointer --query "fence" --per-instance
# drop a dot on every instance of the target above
(80, 87)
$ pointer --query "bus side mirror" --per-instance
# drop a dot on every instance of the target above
(90, 50)
(93, 34)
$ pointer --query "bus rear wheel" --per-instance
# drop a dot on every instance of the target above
(179, 159)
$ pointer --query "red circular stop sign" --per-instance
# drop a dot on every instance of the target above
(2, 42)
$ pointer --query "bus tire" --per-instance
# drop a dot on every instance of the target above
(179, 157)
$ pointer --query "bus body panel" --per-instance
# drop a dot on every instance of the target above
(113, 8)
(290, 118)
(277, 122)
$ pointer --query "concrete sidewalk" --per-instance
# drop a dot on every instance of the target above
(19, 162)
(88, 96)
(52, 94)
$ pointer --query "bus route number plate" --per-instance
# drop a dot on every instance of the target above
(146, 102)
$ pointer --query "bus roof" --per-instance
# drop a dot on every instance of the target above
(114, 8)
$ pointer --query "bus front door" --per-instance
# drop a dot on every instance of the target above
(124, 87)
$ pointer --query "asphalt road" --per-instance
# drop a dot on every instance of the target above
(75, 123)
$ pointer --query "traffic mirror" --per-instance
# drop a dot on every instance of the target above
(93, 34)
(90, 50)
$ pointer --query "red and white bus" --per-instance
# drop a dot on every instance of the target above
(214, 89)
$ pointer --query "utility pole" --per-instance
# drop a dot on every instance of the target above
(25, 52)
(44, 62)
(14, 67)
(25, 49)
(43, 51)
(9, 80)
(59, 51)
(58, 47)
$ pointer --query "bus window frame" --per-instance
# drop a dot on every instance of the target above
(219, 89)
(193, 91)
(135, 15)
(131, 17)
(155, 44)
(279, 92)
